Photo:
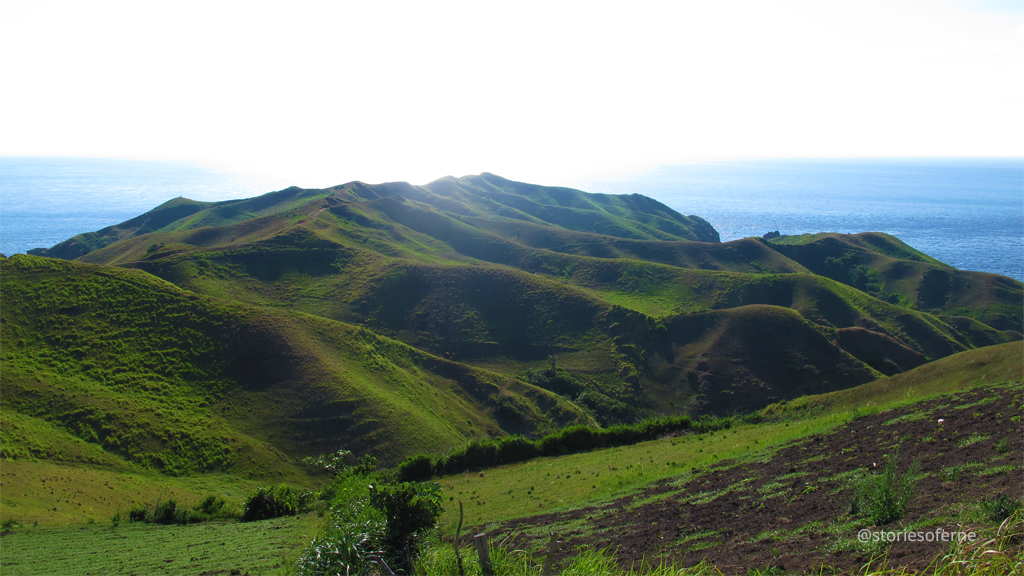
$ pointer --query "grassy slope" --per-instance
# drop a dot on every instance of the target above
(482, 313)
(998, 363)
(182, 213)
(486, 313)
(542, 486)
(183, 383)
(563, 483)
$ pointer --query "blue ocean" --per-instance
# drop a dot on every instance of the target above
(44, 201)
(968, 213)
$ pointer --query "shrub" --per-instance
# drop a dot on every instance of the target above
(355, 533)
(884, 497)
(270, 503)
(408, 508)
(367, 465)
(483, 453)
(163, 512)
(1002, 446)
(137, 513)
(211, 505)
(334, 464)
(416, 467)
(571, 439)
(169, 512)
(515, 449)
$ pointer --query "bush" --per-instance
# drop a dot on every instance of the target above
(571, 439)
(211, 505)
(355, 533)
(367, 465)
(334, 464)
(515, 449)
(164, 511)
(408, 508)
(416, 467)
(267, 503)
(884, 497)
(137, 513)
(494, 452)
(169, 512)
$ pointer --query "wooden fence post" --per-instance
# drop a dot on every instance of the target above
(480, 540)
(455, 544)
(553, 547)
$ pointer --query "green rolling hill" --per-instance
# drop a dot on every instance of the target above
(395, 319)
(150, 374)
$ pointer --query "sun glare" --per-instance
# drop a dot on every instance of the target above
(406, 91)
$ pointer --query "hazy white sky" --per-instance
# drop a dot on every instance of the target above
(549, 92)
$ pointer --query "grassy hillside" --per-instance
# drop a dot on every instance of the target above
(208, 347)
(181, 213)
(503, 275)
(1001, 363)
(510, 318)
(239, 336)
(181, 383)
(889, 269)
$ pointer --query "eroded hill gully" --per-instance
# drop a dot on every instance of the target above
(790, 509)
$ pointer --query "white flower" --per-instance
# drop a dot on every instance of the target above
(941, 420)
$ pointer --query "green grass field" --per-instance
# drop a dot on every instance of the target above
(557, 484)
(266, 547)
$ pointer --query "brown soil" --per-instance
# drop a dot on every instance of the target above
(795, 493)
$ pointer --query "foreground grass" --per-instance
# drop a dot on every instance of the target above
(266, 547)
(551, 484)
(996, 553)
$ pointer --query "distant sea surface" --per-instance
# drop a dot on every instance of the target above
(968, 213)
(44, 201)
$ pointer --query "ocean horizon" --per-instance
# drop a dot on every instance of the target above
(968, 213)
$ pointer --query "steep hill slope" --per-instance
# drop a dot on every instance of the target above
(146, 372)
